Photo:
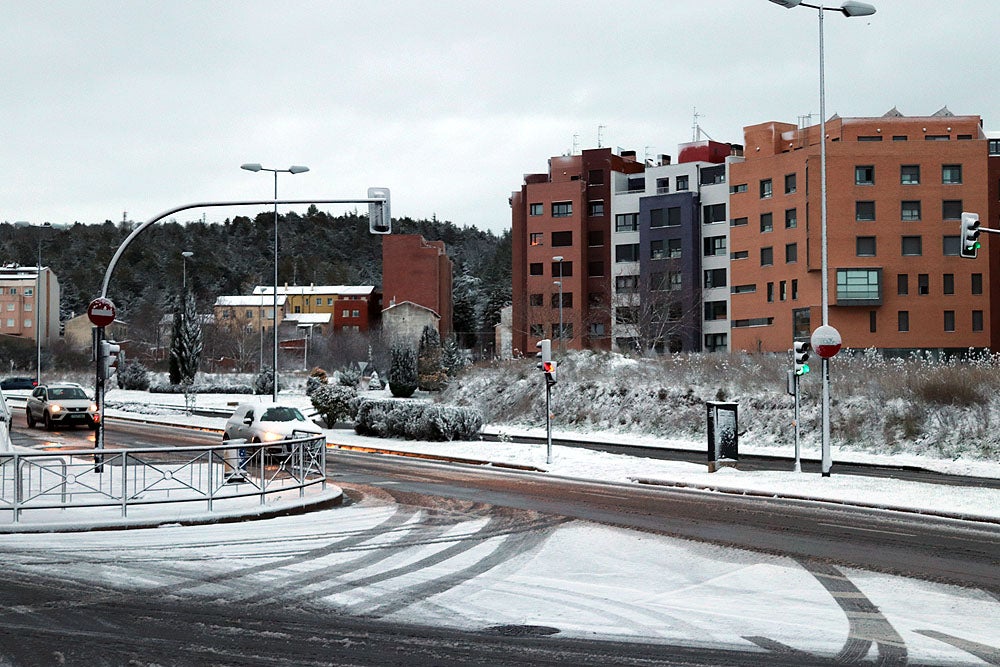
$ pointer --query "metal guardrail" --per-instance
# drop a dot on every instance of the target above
(124, 478)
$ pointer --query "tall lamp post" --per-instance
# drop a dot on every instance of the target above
(294, 169)
(184, 279)
(38, 308)
(559, 258)
(850, 8)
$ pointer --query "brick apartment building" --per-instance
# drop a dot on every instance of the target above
(25, 311)
(350, 307)
(896, 189)
(420, 272)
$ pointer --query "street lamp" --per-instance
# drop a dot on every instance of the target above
(184, 280)
(294, 169)
(850, 8)
(38, 308)
(559, 258)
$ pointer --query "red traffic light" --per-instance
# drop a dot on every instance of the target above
(548, 366)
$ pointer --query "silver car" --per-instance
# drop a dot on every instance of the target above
(269, 422)
(63, 403)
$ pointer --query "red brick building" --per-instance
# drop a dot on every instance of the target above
(565, 213)
(896, 189)
(418, 271)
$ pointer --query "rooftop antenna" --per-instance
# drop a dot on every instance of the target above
(649, 157)
(600, 135)
(576, 143)
(696, 130)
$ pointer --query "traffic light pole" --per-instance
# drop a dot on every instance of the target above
(548, 423)
(827, 458)
(798, 461)
(99, 391)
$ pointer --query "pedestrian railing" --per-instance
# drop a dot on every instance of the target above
(212, 477)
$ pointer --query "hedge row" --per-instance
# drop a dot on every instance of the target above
(167, 388)
(383, 418)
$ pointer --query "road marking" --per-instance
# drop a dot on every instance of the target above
(868, 530)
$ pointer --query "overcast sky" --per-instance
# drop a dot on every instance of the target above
(142, 106)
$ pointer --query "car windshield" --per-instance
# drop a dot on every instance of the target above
(282, 414)
(63, 393)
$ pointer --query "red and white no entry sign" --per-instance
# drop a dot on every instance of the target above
(101, 312)
(826, 341)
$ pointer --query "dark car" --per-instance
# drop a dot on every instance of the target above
(18, 383)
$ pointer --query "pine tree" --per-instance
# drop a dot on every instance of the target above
(403, 371)
(186, 342)
(430, 374)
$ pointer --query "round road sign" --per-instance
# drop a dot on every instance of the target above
(101, 312)
(826, 341)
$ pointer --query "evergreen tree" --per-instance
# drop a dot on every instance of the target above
(186, 342)
(403, 371)
(430, 374)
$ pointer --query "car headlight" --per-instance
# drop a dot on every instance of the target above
(55, 407)
(270, 436)
(93, 407)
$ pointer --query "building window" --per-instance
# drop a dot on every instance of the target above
(739, 222)
(627, 252)
(912, 246)
(595, 208)
(789, 184)
(715, 246)
(662, 186)
(682, 183)
(713, 213)
(951, 174)
(744, 289)
(738, 188)
(26, 324)
(937, 137)
(562, 209)
(628, 283)
(948, 283)
(536, 209)
(977, 283)
(636, 184)
(977, 320)
(329, 300)
(627, 222)
(865, 246)
(770, 292)
(345, 313)
(535, 269)
(766, 222)
(595, 239)
(902, 284)
(791, 253)
(595, 177)
(662, 249)
(872, 321)
(657, 218)
(864, 211)
(910, 211)
(715, 342)
(903, 321)
(355, 313)
(597, 329)
(12, 291)
(766, 256)
(537, 331)
(535, 300)
(864, 175)
(562, 239)
(900, 137)
(27, 307)
(791, 218)
(715, 278)
(595, 269)
(951, 246)
(994, 147)
(740, 254)
(859, 286)
(715, 310)
(765, 189)
(923, 284)
(909, 174)
(949, 320)
(782, 291)
(562, 269)
(795, 289)
(674, 216)
(567, 299)
(535, 238)
(870, 137)
(951, 209)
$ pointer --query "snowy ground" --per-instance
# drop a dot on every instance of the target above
(582, 580)
(578, 463)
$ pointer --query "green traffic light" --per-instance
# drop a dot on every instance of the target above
(803, 369)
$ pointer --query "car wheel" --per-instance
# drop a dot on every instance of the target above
(48, 422)
(31, 418)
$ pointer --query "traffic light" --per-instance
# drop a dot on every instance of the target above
(801, 353)
(546, 364)
(970, 235)
(108, 358)
(379, 218)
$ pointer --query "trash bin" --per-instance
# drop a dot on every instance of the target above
(723, 435)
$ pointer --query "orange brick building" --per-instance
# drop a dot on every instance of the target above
(896, 188)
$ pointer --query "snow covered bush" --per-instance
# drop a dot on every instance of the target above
(374, 383)
(134, 376)
(317, 377)
(334, 403)
(164, 387)
(403, 371)
(349, 376)
(430, 372)
(263, 382)
(386, 418)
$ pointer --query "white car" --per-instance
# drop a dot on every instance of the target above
(269, 422)
(5, 444)
(61, 403)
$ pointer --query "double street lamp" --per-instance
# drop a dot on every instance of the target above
(850, 8)
(294, 169)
